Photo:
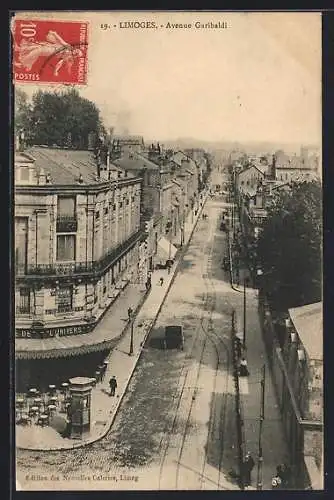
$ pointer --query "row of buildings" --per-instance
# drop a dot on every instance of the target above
(294, 342)
(88, 224)
(257, 178)
(297, 365)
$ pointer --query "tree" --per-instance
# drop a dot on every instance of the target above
(22, 111)
(289, 248)
(63, 119)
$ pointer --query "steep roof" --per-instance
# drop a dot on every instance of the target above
(178, 157)
(249, 168)
(307, 321)
(65, 165)
(135, 161)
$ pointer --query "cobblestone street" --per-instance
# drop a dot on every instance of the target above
(176, 425)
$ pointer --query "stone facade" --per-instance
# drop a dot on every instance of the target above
(75, 245)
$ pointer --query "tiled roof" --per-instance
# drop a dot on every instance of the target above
(65, 165)
(241, 174)
(178, 157)
(307, 321)
(135, 161)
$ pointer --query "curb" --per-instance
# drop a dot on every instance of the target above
(149, 329)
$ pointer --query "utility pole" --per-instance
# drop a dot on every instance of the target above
(244, 332)
(260, 456)
(170, 235)
(131, 335)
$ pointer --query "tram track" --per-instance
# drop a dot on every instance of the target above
(206, 326)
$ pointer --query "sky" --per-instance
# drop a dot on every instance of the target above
(257, 80)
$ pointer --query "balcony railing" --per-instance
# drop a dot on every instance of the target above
(67, 224)
(23, 310)
(65, 308)
(78, 268)
(20, 269)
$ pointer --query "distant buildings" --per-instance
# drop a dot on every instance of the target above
(128, 143)
(287, 168)
(259, 177)
(171, 183)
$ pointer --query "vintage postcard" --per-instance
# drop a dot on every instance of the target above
(168, 228)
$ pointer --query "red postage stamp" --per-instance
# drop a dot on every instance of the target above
(48, 51)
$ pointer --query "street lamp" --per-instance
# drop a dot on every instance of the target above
(131, 319)
(171, 234)
(244, 331)
(260, 455)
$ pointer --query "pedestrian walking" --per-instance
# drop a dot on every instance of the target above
(248, 466)
(283, 475)
(103, 370)
(130, 311)
(161, 281)
(112, 385)
(243, 369)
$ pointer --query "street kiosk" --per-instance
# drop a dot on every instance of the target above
(80, 406)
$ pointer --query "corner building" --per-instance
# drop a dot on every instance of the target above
(77, 245)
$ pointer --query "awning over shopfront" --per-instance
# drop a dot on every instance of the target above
(166, 249)
(73, 343)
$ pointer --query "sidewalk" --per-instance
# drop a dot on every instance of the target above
(274, 447)
(121, 364)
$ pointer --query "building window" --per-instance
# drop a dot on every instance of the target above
(66, 247)
(120, 204)
(132, 199)
(64, 299)
(21, 244)
(24, 301)
(25, 174)
(66, 206)
(106, 211)
(127, 201)
(114, 206)
(97, 215)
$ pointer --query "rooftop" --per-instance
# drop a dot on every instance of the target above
(178, 157)
(135, 161)
(65, 165)
(307, 321)
(129, 139)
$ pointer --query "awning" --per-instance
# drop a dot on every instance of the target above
(103, 337)
(166, 249)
